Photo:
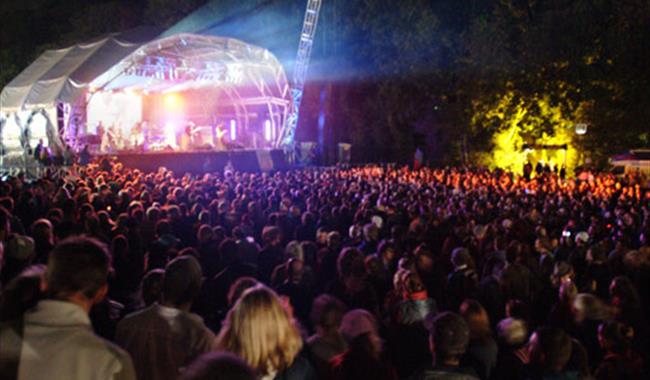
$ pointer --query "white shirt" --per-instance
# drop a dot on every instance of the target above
(59, 344)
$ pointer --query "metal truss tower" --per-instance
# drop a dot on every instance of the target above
(288, 132)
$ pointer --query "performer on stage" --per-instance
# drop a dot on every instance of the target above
(137, 135)
(188, 138)
(220, 133)
(102, 133)
(113, 137)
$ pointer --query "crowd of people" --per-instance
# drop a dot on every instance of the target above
(373, 272)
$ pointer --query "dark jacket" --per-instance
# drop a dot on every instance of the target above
(445, 373)
(616, 366)
(300, 369)
(356, 365)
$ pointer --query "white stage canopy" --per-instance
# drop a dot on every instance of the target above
(245, 84)
(250, 77)
(63, 75)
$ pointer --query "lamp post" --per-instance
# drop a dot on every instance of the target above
(581, 129)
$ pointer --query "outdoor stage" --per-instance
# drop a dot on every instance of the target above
(246, 160)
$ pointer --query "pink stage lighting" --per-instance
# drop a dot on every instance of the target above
(268, 133)
(233, 130)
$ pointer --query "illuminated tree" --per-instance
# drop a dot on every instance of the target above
(527, 128)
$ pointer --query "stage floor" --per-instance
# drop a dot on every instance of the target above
(245, 160)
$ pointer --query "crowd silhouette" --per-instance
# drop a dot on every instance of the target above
(370, 272)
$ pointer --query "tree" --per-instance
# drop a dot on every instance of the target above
(562, 53)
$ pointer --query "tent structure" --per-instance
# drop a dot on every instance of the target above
(221, 80)
(62, 75)
(636, 160)
(56, 81)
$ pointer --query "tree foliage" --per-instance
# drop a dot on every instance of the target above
(448, 76)
(567, 53)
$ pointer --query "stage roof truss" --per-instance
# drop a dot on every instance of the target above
(200, 58)
(251, 76)
(63, 75)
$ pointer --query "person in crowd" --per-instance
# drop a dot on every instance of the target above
(239, 287)
(490, 292)
(562, 313)
(370, 239)
(548, 296)
(22, 293)
(352, 286)
(621, 361)
(549, 353)
(18, 255)
(528, 245)
(598, 274)
(260, 313)
(165, 336)
(54, 340)
(364, 355)
(292, 251)
(432, 271)
(43, 234)
(152, 286)
(407, 333)
(298, 290)
(327, 260)
(512, 336)
(482, 349)
(218, 366)
(462, 283)
(213, 302)
(627, 304)
(589, 312)
(247, 249)
(449, 336)
(84, 156)
(307, 228)
(271, 255)
(208, 247)
(327, 341)
(416, 304)
(387, 255)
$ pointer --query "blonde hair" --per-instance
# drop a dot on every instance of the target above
(261, 331)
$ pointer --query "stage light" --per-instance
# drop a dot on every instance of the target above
(267, 130)
(233, 130)
(171, 100)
